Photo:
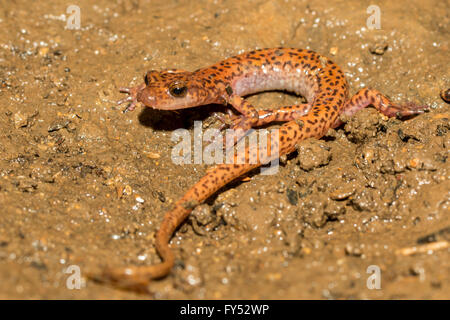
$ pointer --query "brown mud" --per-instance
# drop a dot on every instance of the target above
(83, 184)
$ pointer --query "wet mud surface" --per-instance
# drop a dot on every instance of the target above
(82, 184)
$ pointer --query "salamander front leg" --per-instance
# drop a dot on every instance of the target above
(132, 96)
(244, 122)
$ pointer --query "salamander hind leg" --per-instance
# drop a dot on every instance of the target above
(366, 97)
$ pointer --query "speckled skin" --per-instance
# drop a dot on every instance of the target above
(445, 95)
(304, 72)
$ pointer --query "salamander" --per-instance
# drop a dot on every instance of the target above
(303, 72)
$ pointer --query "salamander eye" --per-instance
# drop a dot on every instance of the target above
(178, 89)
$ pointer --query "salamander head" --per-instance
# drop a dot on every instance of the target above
(171, 90)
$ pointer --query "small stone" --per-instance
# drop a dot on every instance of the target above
(379, 48)
(334, 51)
(127, 190)
(292, 196)
(20, 120)
(153, 155)
(43, 51)
(313, 154)
(343, 192)
(351, 250)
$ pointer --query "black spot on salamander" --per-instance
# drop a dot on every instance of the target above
(279, 52)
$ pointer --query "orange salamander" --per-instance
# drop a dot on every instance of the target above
(303, 72)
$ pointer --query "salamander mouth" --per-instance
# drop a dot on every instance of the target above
(145, 99)
(162, 103)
